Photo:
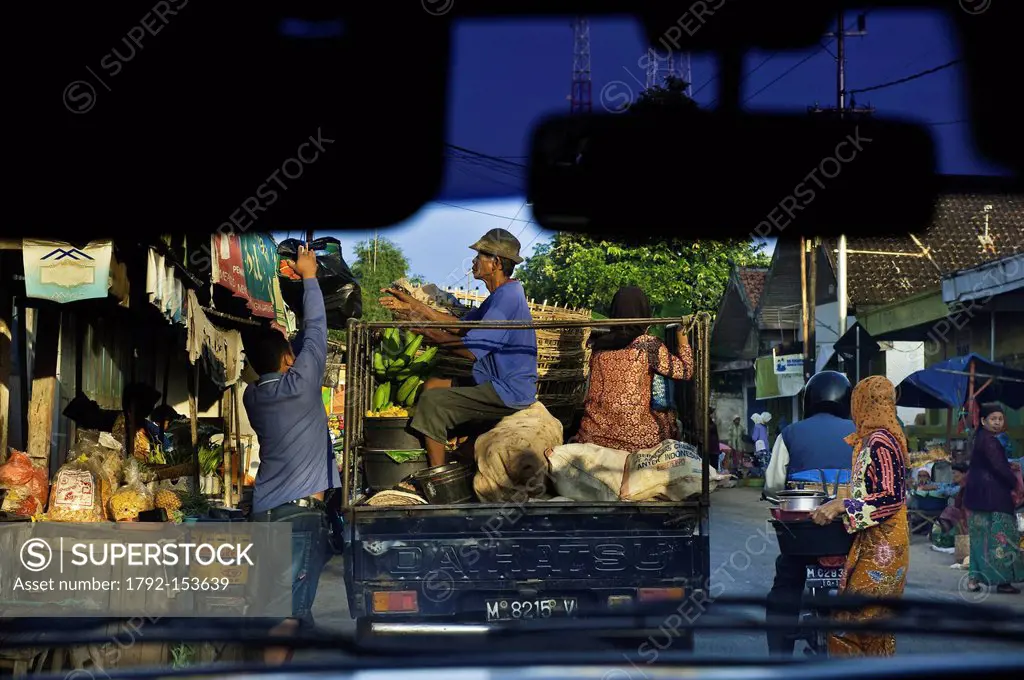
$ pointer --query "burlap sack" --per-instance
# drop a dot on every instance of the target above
(510, 458)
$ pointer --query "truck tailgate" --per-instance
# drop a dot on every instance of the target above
(461, 560)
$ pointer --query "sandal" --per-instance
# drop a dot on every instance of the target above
(973, 586)
(1007, 589)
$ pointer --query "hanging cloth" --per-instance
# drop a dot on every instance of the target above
(219, 350)
(261, 262)
(58, 271)
(229, 264)
(119, 285)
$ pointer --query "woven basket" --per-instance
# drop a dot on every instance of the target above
(563, 360)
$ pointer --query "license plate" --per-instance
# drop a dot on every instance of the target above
(825, 577)
(515, 610)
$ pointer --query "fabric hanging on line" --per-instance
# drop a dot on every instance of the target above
(219, 350)
(120, 288)
(259, 253)
(58, 271)
(229, 264)
(163, 289)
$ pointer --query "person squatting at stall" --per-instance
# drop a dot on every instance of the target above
(297, 464)
(504, 360)
(812, 444)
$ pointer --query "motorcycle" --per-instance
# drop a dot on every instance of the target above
(824, 547)
(823, 578)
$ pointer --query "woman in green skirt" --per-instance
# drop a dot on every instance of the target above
(992, 524)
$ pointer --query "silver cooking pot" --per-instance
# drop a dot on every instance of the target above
(799, 500)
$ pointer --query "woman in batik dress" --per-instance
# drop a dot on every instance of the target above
(876, 513)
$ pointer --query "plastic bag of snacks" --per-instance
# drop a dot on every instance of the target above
(76, 495)
(27, 485)
(132, 498)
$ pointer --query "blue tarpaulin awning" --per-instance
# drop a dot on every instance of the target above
(946, 384)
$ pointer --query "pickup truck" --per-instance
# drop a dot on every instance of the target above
(433, 569)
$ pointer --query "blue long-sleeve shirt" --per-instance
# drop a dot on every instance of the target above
(287, 412)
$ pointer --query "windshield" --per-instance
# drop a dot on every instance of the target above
(465, 424)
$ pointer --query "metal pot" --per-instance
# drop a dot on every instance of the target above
(799, 500)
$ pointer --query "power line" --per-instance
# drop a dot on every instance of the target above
(900, 81)
(481, 212)
(788, 71)
(949, 122)
(478, 154)
(822, 48)
(750, 73)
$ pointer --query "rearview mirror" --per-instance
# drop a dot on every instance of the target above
(702, 174)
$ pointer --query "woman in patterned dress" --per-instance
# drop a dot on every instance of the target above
(617, 411)
(876, 565)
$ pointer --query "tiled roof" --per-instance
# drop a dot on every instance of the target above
(884, 270)
(752, 280)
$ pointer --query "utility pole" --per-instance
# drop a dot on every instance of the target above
(842, 110)
(841, 34)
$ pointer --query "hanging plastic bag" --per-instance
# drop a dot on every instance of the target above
(343, 298)
(27, 485)
(132, 498)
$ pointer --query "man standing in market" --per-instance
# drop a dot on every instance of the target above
(816, 443)
(504, 377)
(297, 465)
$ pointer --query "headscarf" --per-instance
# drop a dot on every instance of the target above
(873, 408)
(629, 303)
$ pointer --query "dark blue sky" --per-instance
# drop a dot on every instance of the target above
(509, 75)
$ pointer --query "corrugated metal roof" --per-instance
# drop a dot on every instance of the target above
(992, 278)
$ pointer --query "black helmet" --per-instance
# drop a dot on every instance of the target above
(827, 392)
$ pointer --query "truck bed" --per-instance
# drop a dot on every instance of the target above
(475, 563)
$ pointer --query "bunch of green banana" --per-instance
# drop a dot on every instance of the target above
(409, 390)
(396, 359)
(400, 372)
(382, 397)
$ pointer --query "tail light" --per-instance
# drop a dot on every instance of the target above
(395, 602)
(661, 594)
(835, 561)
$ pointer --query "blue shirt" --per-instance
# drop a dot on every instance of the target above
(287, 412)
(505, 357)
(817, 443)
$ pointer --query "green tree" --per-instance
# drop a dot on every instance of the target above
(379, 263)
(679, 276)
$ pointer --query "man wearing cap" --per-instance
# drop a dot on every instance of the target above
(504, 360)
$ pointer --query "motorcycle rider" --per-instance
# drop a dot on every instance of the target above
(801, 450)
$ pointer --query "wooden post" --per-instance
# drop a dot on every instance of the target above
(23, 376)
(6, 314)
(226, 417)
(812, 302)
(193, 413)
(44, 384)
(803, 305)
(238, 445)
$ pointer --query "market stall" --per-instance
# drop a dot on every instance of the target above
(130, 392)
